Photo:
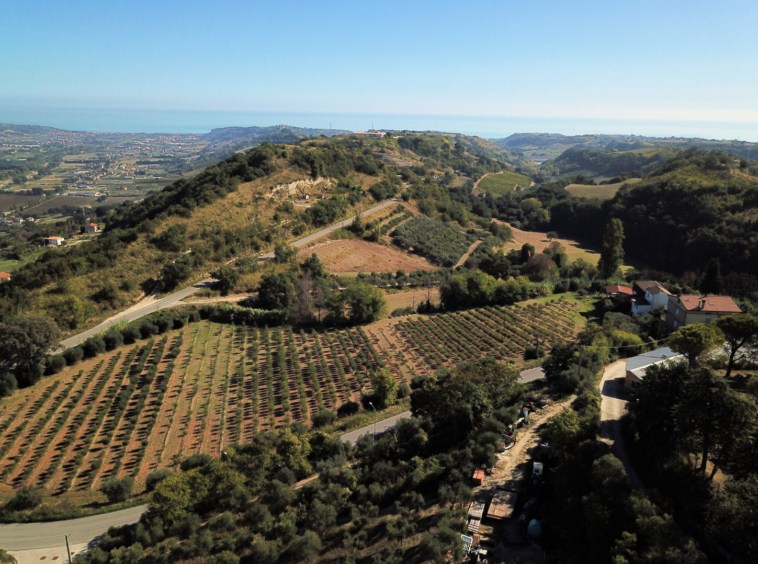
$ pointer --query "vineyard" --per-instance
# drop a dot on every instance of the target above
(442, 243)
(209, 385)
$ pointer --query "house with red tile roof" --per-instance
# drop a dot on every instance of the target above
(688, 309)
(5, 277)
(91, 228)
(618, 291)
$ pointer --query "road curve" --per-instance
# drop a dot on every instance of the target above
(612, 408)
(24, 537)
(173, 299)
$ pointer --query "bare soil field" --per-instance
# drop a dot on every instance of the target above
(345, 256)
(411, 298)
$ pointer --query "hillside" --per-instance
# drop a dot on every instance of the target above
(545, 146)
(237, 137)
(237, 209)
(592, 162)
(697, 205)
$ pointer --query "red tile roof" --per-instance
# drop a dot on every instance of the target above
(618, 290)
(716, 304)
(5, 275)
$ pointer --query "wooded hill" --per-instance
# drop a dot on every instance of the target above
(697, 205)
(590, 162)
(192, 227)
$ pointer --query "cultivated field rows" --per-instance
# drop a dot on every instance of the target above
(209, 385)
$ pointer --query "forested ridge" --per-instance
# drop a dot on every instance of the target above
(606, 163)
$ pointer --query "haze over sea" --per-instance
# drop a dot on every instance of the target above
(192, 121)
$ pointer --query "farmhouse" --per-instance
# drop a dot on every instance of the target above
(54, 241)
(638, 365)
(689, 309)
(5, 277)
(618, 291)
(91, 228)
(648, 295)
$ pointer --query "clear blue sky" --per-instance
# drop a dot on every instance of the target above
(627, 60)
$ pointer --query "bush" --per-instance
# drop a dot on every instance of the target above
(223, 522)
(225, 557)
(8, 384)
(195, 461)
(6, 558)
(55, 364)
(348, 408)
(113, 340)
(147, 329)
(73, 355)
(118, 490)
(164, 324)
(156, 477)
(25, 498)
(195, 317)
(93, 347)
(131, 334)
(399, 312)
(322, 417)
(403, 391)
(532, 352)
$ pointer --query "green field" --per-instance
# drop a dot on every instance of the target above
(503, 182)
(605, 192)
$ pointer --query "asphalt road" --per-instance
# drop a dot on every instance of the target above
(381, 427)
(612, 408)
(531, 375)
(21, 538)
(172, 299)
(27, 536)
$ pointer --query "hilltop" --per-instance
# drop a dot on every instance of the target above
(593, 162)
(239, 137)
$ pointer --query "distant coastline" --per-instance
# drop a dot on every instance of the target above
(190, 121)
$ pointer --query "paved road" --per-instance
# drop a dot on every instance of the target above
(25, 536)
(381, 427)
(25, 540)
(174, 299)
(531, 375)
(612, 408)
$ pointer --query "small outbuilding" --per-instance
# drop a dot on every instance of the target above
(478, 477)
(618, 291)
(638, 365)
(5, 277)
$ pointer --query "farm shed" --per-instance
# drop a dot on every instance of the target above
(478, 477)
(638, 365)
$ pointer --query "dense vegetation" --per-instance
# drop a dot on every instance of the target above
(442, 243)
(605, 163)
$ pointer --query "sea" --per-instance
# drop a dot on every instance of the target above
(489, 127)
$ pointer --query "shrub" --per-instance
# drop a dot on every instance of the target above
(322, 417)
(55, 364)
(223, 522)
(225, 557)
(131, 334)
(195, 461)
(113, 340)
(348, 408)
(195, 317)
(147, 329)
(403, 391)
(118, 490)
(531, 352)
(8, 384)
(156, 477)
(25, 498)
(73, 355)
(93, 347)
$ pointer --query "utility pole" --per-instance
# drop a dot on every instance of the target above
(68, 550)
(579, 366)
(373, 435)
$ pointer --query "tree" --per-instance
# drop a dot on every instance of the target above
(712, 418)
(695, 340)
(612, 251)
(740, 330)
(552, 235)
(227, 277)
(25, 498)
(277, 291)
(527, 251)
(321, 517)
(306, 546)
(156, 477)
(264, 552)
(26, 342)
(313, 265)
(118, 490)
(712, 282)
(174, 273)
(365, 303)
(385, 388)
(171, 499)
(283, 252)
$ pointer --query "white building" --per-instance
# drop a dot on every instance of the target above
(638, 365)
(648, 295)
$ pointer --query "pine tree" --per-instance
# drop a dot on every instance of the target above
(712, 282)
(612, 253)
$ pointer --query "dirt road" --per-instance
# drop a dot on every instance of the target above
(612, 408)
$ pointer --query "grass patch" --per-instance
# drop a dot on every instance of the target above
(503, 182)
(604, 192)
